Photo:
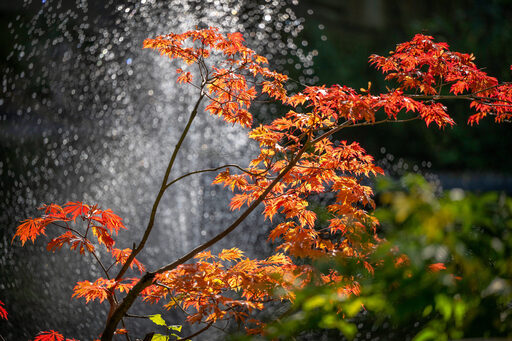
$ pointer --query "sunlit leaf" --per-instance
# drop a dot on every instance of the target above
(157, 319)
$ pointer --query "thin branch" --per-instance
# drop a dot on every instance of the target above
(469, 97)
(163, 187)
(137, 316)
(148, 277)
(88, 227)
(241, 218)
(212, 170)
(169, 289)
(387, 120)
(105, 270)
(67, 228)
(332, 131)
(198, 332)
(124, 326)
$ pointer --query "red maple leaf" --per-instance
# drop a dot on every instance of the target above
(3, 312)
(51, 335)
(112, 221)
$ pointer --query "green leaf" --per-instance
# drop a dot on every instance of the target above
(428, 309)
(348, 329)
(157, 319)
(175, 327)
(444, 306)
(426, 334)
(315, 302)
(159, 337)
(354, 307)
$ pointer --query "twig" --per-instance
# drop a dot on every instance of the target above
(212, 170)
(163, 187)
(148, 278)
(198, 332)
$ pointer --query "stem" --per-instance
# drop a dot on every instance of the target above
(114, 315)
(101, 264)
(163, 187)
(210, 170)
(198, 332)
(126, 335)
(138, 316)
(240, 219)
(469, 97)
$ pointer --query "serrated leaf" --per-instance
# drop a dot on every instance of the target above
(158, 320)
(50, 335)
(159, 337)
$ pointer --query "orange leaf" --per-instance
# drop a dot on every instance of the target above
(185, 77)
(436, 267)
(49, 336)
(103, 237)
(121, 331)
(76, 209)
(204, 255)
(91, 291)
(30, 229)
(58, 242)
(121, 256)
(231, 254)
(111, 221)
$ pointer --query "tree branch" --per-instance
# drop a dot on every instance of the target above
(163, 187)
(198, 332)
(148, 277)
(241, 218)
(210, 170)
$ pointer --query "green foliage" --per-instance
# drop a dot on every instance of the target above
(469, 234)
(158, 320)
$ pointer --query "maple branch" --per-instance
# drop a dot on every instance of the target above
(163, 187)
(88, 227)
(137, 316)
(349, 124)
(84, 237)
(241, 218)
(332, 131)
(105, 270)
(169, 290)
(148, 277)
(211, 170)
(67, 228)
(124, 326)
(387, 120)
(469, 97)
(198, 332)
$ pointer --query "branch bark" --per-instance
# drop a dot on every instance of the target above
(163, 187)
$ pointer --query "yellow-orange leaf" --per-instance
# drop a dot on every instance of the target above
(231, 254)
(29, 229)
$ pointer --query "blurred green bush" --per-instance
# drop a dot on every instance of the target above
(454, 282)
